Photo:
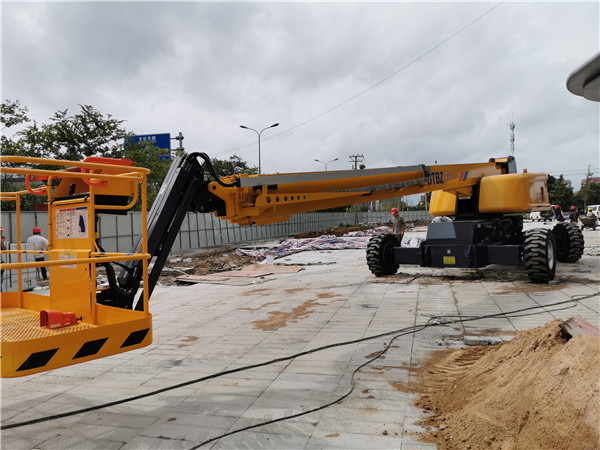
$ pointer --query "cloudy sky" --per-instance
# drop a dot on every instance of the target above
(401, 83)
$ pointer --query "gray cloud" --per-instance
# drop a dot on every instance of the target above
(206, 68)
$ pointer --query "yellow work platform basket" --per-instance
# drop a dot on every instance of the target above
(40, 332)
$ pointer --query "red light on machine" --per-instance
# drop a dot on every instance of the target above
(56, 319)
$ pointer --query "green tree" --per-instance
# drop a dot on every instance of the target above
(234, 165)
(589, 194)
(559, 192)
(12, 113)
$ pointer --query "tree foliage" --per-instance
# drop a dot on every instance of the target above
(12, 113)
(69, 137)
(559, 192)
(232, 166)
(589, 194)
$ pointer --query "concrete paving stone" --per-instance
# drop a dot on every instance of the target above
(200, 366)
(151, 443)
(261, 373)
(197, 419)
(174, 377)
(266, 413)
(303, 425)
(354, 440)
(253, 440)
(76, 442)
(110, 419)
(17, 443)
(378, 376)
(261, 361)
(409, 444)
(246, 383)
(303, 399)
(104, 392)
(364, 414)
(378, 404)
(174, 431)
(331, 425)
(316, 367)
(40, 432)
(101, 433)
(22, 399)
(165, 399)
(198, 406)
(333, 354)
(8, 413)
(240, 389)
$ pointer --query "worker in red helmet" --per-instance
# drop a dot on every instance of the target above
(38, 243)
(574, 215)
(558, 214)
(398, 225)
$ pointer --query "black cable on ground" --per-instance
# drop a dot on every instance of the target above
(327, 405)
(399, 332)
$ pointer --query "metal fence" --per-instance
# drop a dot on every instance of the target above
(198, 231)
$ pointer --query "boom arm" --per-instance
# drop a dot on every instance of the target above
(265, 199)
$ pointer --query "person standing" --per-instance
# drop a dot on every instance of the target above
(574, 216)
(558, 214)
(39, 243)
(398, 225)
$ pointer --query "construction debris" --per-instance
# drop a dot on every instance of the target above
(578, 325)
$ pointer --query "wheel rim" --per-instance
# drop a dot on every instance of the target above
(550, 254)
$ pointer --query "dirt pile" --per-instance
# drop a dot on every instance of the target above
(537, 391)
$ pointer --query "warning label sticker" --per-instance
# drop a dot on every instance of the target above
(71, 223)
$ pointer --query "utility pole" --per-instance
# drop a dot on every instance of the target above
(355, 160)
(179, 138)
(586, 187)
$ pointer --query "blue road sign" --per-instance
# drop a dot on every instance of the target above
(160, 140)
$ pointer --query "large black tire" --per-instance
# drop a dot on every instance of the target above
(539, 255)
(569, 242)
(380, 254)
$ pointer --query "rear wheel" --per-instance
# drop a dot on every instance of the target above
(539, 255)
(380, 255)
(569, 242)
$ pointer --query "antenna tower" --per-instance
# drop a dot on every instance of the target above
(512, 138)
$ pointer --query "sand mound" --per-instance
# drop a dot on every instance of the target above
(537, 391)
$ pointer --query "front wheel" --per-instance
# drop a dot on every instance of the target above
(380, 255)
(539, 255)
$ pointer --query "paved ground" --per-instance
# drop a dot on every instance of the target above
(204, 329)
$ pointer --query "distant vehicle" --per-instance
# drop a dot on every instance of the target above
(595, 209)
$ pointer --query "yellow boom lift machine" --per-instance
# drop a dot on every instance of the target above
(487, 201)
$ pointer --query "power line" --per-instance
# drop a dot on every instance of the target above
(364, 91)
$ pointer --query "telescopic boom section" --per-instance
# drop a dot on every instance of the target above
(265, 199)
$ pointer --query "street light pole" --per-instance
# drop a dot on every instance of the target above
(258, 134)
(326, 163)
